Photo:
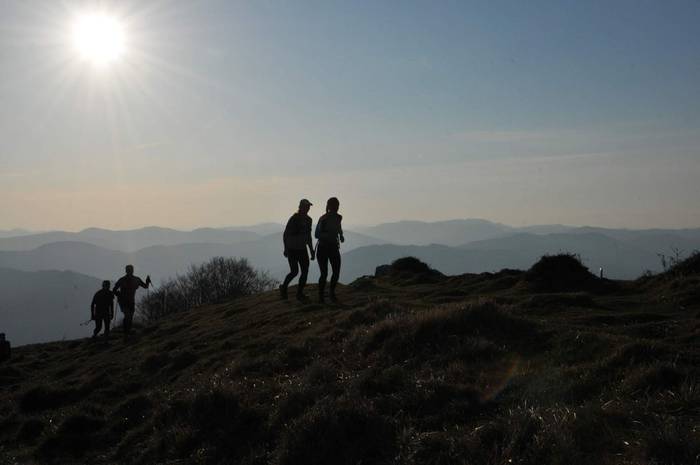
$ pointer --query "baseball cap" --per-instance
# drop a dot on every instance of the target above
(305, 202)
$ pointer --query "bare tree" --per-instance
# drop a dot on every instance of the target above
(218, 280)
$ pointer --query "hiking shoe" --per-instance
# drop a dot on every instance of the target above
(283, 293)
(334, 299)
(321, 299)
(303, 298)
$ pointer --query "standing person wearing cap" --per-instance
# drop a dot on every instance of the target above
(296, 238)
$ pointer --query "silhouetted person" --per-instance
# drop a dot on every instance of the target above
(329, 232)
(296, 238)
(102, 309)
(5, 349)
(125, 290)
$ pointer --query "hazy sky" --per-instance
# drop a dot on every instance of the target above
(224, 113)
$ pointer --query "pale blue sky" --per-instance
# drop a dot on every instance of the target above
(225, 112)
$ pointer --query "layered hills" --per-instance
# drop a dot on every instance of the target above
(453, 247)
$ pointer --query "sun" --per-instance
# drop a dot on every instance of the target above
(99, 38)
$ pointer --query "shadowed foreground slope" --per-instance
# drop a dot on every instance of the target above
(469, 369)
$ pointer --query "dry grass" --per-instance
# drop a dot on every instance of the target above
(501, 374)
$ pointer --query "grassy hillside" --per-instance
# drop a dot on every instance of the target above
(411, 369)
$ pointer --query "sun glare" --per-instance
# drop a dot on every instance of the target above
(99, 38)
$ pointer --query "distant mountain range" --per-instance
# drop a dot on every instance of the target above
(44, 305)
(160, 261)
(452, 233)
(457, 246)
(129, 240)
(14, 233)
(77, 262)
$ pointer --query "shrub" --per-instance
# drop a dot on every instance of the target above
(410, 264)
(220, 279)
(688, 266)
(562, 272)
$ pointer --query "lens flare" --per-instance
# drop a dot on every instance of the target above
(500, 380)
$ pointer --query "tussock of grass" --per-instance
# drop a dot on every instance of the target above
(318, 381)
(77, 435)
(182, 360)
(376, 310)
(215, 419)
(9, 375)
(339, 432)
(131, 413)
(673, 443)
(377, 381)
(555, 435)
(656, 377)
(155, 362)
(404, 336)
(294, 357)
(43, 397)
(30, 430)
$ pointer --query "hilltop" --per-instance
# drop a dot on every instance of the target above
(413, 367)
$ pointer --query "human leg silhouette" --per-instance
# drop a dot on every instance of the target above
(322, 258)
(98, 326)
(335, 267)
(304, 267)
(293, 272)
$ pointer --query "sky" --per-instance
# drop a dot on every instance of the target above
(224, 113)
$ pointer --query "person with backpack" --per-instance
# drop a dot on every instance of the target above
(329, 232)
(296, 239)
(102, 309)
(125, 290)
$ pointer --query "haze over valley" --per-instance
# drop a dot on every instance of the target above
(80, 260)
